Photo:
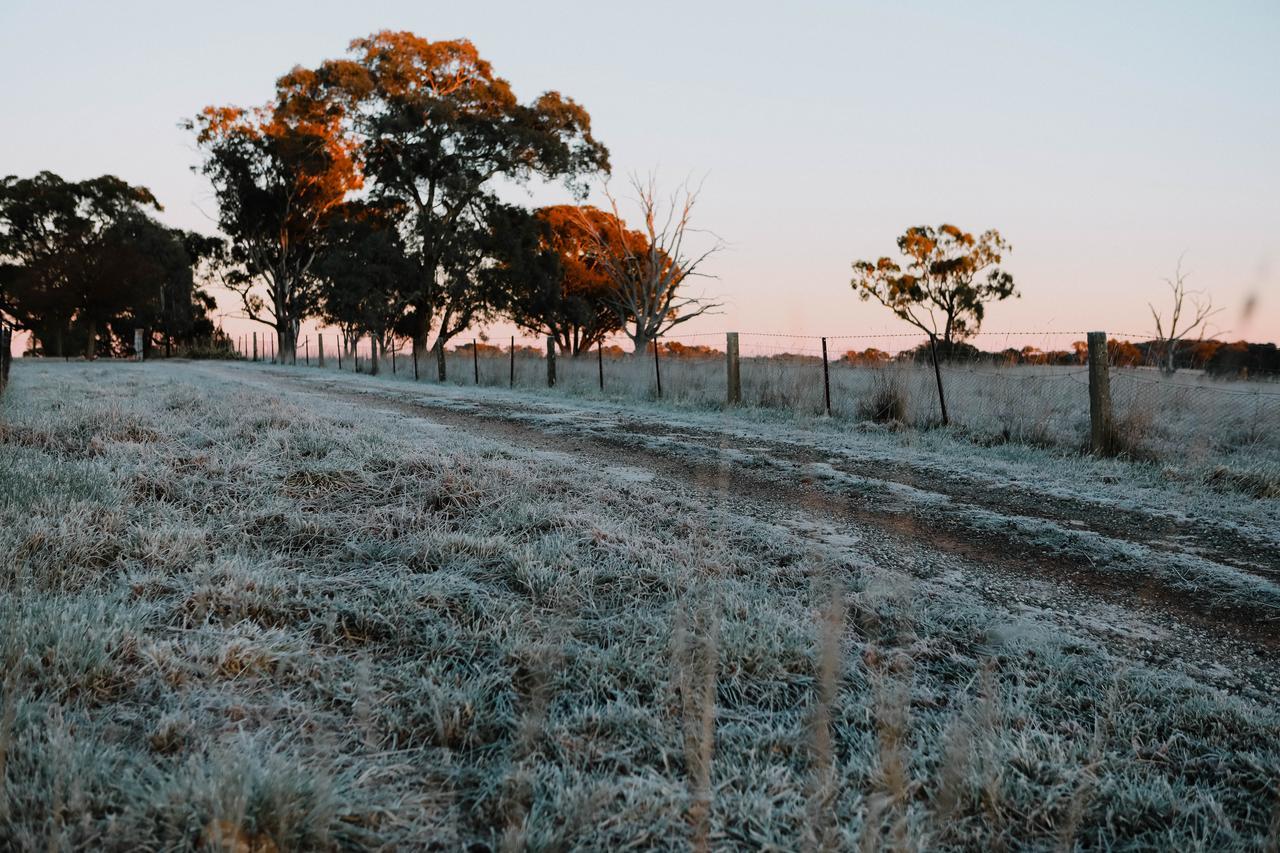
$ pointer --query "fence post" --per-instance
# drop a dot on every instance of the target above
(734, 377)
(551, 362)
(657, 370)
(513, 361)
(600, 361)
(338, 347)
(1101, 434)
(319, 350)
(306, 350)
(255, 346)
(415, 359)
(6, 347)
(826, 377)
(475, 358)
(393, 356)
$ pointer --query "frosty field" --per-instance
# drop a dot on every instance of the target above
(259, 608)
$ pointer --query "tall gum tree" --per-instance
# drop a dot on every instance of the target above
(575, 303)
(940, 289)
(438, 130)
(71, 256)
(278, 172)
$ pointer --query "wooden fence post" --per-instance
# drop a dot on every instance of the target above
(306, 350)
(319, 350)
(255, 346)
(826, 377)
(6, 347)
(1101, 430)
(338, 347)
(513, 361)
(600, 361)
(657, 370)
(475, 358)
(551, 362)
(393, 357)
(734, 395)
(415, 359)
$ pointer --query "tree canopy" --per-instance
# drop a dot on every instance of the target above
(939, 287)
(82, 263)
(437, 128)
(278, 172)
(575, 304)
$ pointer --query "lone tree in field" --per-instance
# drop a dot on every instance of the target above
(1188, 316)
(648, 267)
(438, 130)
(278, 172)
(942, 290)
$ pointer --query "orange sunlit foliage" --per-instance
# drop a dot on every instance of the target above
(869, 356)
(1124, 354)
(1202, 352)
(316, 159)
(574, 234)
(481, 348)
(679, 350)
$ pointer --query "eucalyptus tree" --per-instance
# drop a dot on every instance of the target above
(438, 132)
(81, 260)
(365, 274)
(940, 288)
(574, 303)
(278, 172)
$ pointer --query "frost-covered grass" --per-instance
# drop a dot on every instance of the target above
(1226, 431)
(268, 620)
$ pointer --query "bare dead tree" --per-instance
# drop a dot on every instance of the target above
(1189, 316)
(648, 267)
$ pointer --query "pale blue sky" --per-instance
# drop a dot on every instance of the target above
(1102, 139)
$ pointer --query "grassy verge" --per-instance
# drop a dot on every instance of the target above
(266, 622)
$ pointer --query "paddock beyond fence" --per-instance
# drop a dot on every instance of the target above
(1149, 414)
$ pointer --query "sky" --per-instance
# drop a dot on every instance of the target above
(1103, 140)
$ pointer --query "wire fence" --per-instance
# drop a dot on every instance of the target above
(1017, 386)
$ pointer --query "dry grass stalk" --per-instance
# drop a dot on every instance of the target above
(823, 782)
(8, 713)
(696, 660)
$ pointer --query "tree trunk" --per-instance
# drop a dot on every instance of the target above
(90, 349)
(440, 358)
(284, 342)
(937, 373)
(373, 355)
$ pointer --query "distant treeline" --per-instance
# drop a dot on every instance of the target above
(1217, 358)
